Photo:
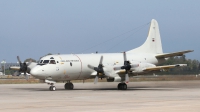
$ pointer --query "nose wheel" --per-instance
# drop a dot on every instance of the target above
(122, 86)
(52, 88)
(69, 86)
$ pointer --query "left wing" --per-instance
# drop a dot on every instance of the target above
(166, 67)
(14, 67)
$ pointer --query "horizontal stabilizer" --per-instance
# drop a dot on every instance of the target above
(173, 54)
(163, 68)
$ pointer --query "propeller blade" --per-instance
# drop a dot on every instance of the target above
(27, 77)
(127, 78)
(96, 79)
(16, 73)
(101, 60)
(125, 59)
(19, 59)
(91, 67)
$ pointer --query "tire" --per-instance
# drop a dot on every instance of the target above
(119, 86)
(67, 86)
(124, 86)
(71, 86)
(53, 88)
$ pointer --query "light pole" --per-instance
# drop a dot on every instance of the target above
(4, 62)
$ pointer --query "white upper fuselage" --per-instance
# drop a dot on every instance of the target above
(75, 66)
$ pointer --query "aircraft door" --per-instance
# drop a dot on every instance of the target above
(73, 67)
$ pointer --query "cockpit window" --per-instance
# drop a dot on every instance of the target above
(41, 61)
(52, 62)
(46, 61)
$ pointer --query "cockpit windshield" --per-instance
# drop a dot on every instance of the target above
(52, 62)
(46, 61)
(43, 62)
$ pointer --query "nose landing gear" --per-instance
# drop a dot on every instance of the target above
(69, 86)
(52, 88)
(122, 86)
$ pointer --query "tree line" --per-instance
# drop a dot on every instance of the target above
(193, 66)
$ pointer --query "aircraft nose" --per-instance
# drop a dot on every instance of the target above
(35, 72)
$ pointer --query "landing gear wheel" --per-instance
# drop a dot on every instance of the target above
(122, 86)
(69, 86)
(119, 86)
(52, 88)
(66, 85)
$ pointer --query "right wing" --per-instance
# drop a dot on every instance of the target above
(166, 67)
(155, 68)
(173, 54)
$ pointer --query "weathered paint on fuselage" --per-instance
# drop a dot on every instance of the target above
(75, 66)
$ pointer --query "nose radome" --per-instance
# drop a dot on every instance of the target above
(34, 72)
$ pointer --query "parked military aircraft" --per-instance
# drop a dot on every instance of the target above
(116, 67)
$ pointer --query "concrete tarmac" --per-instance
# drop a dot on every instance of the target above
(157, 96)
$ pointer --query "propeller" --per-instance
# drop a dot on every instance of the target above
(98, 69)
(127, 67)
(16, 73)
(23, 68)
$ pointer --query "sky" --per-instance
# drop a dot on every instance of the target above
(34, 28)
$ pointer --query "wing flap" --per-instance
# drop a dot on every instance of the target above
(157, 68)
(173, 54)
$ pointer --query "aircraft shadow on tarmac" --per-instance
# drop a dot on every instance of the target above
(104, 89)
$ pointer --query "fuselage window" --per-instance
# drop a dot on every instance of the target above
(46, 61)
(41, 61)
(52, 62)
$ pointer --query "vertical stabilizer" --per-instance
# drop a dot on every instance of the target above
(153, 42)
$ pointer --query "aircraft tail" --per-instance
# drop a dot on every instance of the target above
(153, 42)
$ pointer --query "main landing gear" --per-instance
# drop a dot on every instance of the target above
(122, 86)
(69, 86)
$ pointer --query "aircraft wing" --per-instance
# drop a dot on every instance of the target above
(166, 67)
(173, 54)
(14, 67)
